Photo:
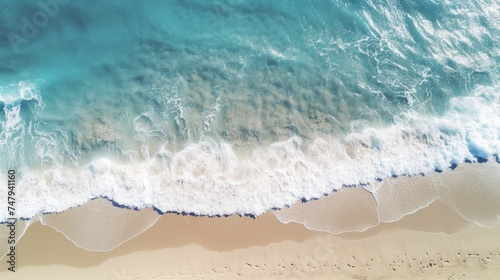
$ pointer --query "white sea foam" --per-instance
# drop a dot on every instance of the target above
(12, 97)
(210, 178)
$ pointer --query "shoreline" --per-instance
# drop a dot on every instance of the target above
(218, 196)
(493, 161)
(432, 243)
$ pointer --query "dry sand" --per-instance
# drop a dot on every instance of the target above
(433, 243)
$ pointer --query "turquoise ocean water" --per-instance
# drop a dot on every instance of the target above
(221, 107)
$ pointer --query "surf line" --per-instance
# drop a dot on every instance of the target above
(11, 220)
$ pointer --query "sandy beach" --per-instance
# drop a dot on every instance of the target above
(243, 140)
(433, 243)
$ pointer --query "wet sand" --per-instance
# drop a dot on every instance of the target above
(433, 243)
